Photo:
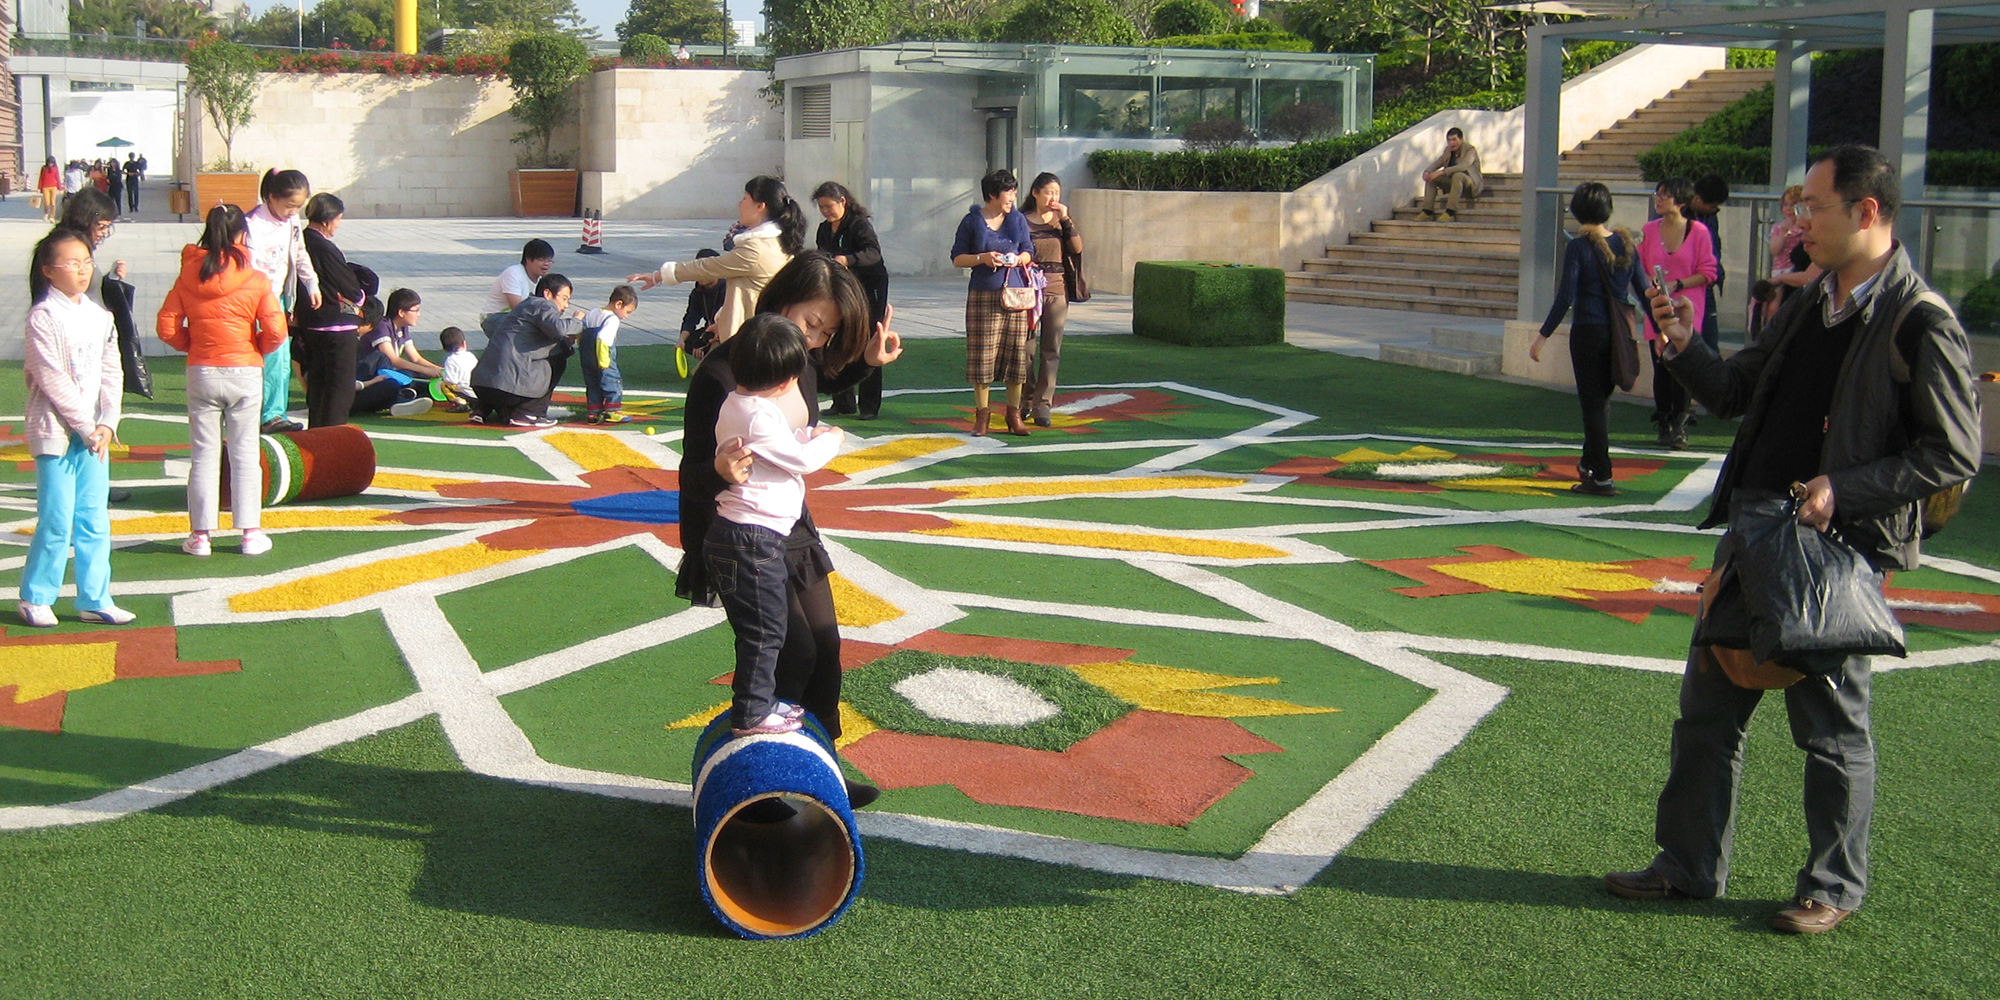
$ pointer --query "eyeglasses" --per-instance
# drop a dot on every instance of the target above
(80, 264)
(1804, 209)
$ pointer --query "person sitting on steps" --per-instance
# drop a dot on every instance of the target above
(1456, 174)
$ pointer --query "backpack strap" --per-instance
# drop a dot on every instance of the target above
(1899, 364)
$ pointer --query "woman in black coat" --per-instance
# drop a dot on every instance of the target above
(326, 340)
(830, 307)
(849, 238)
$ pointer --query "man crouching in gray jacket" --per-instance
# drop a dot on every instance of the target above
(1862, 389)
(527, 348)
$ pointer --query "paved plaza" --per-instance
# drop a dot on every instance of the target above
(452, 263)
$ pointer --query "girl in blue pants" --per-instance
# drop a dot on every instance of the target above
(75, 382)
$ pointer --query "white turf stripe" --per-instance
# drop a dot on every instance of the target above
(563, 662)
(1938, 658)
(1962, 568)
(243, 763)
(1521, 651)
(480, 731)
(736, 745)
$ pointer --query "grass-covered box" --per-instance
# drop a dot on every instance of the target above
(1208, 303)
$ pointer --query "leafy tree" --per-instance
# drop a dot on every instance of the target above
(156, 18)
(695, 22)
(1069, 22)
(223, 75)
(793, 27)
(543, 69)
(647, 49)
(1188, 17)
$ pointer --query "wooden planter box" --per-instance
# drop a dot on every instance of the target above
(226, 189)
(543, 192)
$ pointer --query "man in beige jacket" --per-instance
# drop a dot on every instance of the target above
(1456, 173)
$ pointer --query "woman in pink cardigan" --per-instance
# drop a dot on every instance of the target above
(75, 383)
(1682, 248)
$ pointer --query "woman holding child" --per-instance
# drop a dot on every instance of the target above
(831, 309)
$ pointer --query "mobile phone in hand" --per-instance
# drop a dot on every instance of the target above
(1660, 278)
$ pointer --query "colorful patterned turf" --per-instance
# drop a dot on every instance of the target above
(1162, 648)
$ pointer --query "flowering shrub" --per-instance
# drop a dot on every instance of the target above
(385, 64)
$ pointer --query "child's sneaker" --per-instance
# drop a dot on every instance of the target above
(411, 407)
(791, 710)
(38, 615)
(106, 616)
(196, 544)
(772, 725)
(595, 418)
(255, 542)
(613, 417)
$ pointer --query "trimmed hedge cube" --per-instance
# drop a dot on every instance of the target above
(1208, 303)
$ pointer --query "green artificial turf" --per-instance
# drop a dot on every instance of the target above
(541, 611)
(1060, 579)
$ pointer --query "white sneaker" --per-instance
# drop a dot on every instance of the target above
(107, 616)
(196, 544)
(255, 542)
(411, 407)
(38, 615)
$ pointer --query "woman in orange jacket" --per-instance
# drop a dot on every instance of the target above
(222, 312)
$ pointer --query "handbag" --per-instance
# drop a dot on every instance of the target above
(1811, 599)
(1020, 299)
(1940, 507)
(1075, 287)
(1624, 332)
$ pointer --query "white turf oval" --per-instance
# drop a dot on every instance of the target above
(974, 698)
(1434, 470)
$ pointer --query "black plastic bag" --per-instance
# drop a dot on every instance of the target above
(1810, 596)
(118, 297)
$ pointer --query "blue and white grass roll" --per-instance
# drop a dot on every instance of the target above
(786, 879)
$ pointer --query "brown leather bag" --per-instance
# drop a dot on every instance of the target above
(1742, 669)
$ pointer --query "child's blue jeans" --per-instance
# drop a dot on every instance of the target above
(746, 564)
(603, 387)
(71, 491)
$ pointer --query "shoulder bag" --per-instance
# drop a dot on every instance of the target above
(1624, 330)
(1940, 507)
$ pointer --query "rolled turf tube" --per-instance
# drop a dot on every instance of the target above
(763, 879)
(316, 464)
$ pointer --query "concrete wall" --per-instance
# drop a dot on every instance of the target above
(663, 143)
(675, 143)
(926, 153)
(1369, 187)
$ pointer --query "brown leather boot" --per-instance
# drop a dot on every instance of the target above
(980, 418)
(1014, 424)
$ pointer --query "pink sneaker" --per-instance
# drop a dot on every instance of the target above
(791, 710)
(772, 725)
(197, 544)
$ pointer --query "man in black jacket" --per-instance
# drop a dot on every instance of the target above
(1862, 389)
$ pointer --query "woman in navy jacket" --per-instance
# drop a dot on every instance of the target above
(992, 239)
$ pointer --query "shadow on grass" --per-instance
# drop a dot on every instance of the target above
(1467, 884)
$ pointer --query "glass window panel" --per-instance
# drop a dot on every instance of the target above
(1275, 96)
(1107, 105)
(1185, 100)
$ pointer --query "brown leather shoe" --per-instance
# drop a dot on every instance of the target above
(1014, 424)
(1808, 916)
(1643, 884)
(980, 418)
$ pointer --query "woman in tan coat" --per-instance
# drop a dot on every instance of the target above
(774, 231)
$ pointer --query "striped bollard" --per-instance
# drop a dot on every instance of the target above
(763, 873)
(593, 232)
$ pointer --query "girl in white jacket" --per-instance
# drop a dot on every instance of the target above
(278, 249)
(74, 388)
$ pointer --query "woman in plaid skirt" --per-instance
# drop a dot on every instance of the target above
(991, 239)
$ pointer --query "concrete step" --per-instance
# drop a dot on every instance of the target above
(1428, 256)
(1453, 307)
(1442, 359)
(1436, 286)
(1647, 127)
(1460, 228)
(1477, 341)
(1368, 264)
(1440, 241)
(1484, 203)
(1485, 214)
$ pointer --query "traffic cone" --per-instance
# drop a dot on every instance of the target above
(593, 232)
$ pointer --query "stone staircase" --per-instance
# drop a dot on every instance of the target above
(1472, 266)
(1612, 156)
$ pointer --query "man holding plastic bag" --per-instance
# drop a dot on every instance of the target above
(1858, 405)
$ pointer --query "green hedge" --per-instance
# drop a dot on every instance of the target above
(1739, 165)
(1283, 169)
(1263, 41)
(1208, 303)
